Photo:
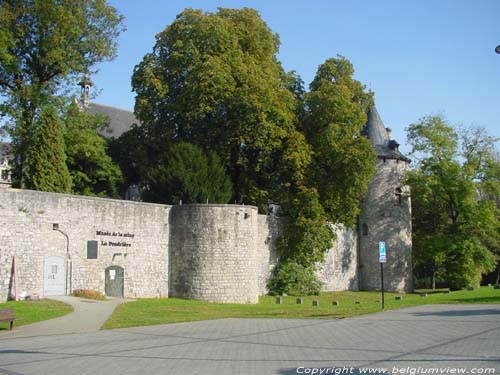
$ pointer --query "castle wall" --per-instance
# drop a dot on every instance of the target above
(128, 234)
(270, 228)
(386, 216)
(339, 271)
(214, 253)
(218, 253)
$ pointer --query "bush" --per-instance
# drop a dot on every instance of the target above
(89, 294)
(293, 279)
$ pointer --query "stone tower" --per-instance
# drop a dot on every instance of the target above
(385, 215)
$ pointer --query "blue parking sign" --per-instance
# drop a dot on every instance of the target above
(381, 252)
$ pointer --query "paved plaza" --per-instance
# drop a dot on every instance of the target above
(448, 337)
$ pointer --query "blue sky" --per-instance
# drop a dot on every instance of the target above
(419, 57)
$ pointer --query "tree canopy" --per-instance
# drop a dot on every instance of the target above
(213, 80)
(43, 44)
(185, 174)
(92, 170)
(456, 230)
(47, 170)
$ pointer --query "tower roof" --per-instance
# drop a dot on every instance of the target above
(377, 133)
(375, 129)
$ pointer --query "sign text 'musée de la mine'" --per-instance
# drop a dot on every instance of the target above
(115, 234)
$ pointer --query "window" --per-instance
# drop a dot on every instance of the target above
(91, 249)
(399, 196)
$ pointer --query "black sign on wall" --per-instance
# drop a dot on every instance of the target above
(91, 249)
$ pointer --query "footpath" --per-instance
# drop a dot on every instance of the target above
(88, 316)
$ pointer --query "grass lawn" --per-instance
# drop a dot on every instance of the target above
(160, 311)
(34, 311)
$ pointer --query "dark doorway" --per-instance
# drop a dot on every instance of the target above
(114, 281)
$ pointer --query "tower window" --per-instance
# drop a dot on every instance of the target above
(399, 196)
(364, 229)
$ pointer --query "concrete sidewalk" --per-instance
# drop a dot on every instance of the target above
(88, 316)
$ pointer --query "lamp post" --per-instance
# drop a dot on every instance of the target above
(69, 268)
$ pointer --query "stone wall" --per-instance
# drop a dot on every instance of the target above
(214, 253)
(129, 234)
(386, 216)
(270, 229)
(339, 271)
(218, 253)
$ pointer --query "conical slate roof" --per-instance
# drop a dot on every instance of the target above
(375, 129)
(378, 135)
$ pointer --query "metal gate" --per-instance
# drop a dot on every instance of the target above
(114, 281)
(54, 277)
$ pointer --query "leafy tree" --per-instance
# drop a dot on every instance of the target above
(344, 160)
(213, 80)
(186, 174)
(43, 43)
(47, 169)
(455, 230)
(92, 170)
(132, 153)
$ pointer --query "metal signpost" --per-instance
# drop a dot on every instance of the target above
(382, 259)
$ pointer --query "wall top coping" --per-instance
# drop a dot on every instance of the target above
(213, 205)
(82, 197)
(122, 201)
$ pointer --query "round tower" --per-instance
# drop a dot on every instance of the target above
(385, 215)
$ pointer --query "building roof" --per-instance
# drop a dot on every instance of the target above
(380, 138)
(120, 120)
(5, 151)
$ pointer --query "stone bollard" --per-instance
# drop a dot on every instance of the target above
(335, 303)
(315, 302)
(279, 300)
(299, 301)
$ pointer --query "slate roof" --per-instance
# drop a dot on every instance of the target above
(120, 120)
(377, 133)
(5, 151)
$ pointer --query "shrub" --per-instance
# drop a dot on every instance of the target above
(89, 294)
(293, 279)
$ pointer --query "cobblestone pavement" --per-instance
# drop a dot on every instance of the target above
(448, 337)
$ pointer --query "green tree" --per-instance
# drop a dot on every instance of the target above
(455, 230)
(92, 170)
(43, 44)
(47, 170)
(213, 80)
(344, 160)
(186, 174)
